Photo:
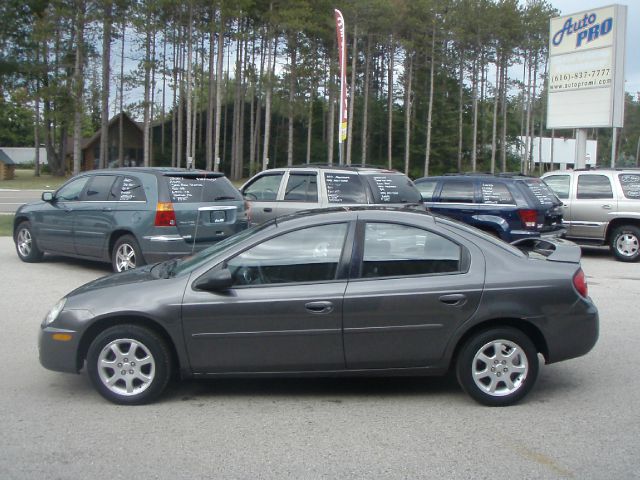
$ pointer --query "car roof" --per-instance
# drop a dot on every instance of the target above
(376, 211)
(477, 175)
(347, 168)
(164, 171)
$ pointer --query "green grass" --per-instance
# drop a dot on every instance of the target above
(6, 225)
(26, 180)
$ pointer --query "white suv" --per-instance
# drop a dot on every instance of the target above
(601, 207)
(280, 191)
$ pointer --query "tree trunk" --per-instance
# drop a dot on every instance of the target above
(189, 151)
(407, 111)
(365, 107)
(494, 129)
(293, 45)
(427, 154)
(78, 85)
(106, 74)
(267, 109)
(460, 109)
(503, 136)
(147, 90)
(474, 135)
(121, 119)
(219, 63)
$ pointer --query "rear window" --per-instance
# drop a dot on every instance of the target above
(200, 189)
(541, 191)
(630, 185)
(392, 188)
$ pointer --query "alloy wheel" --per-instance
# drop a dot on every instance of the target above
(126, 367)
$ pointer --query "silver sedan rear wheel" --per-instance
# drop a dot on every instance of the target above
(497, 367)
(500, 368)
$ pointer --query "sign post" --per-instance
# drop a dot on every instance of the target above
(586, 72)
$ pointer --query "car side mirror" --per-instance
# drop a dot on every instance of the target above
(215, 281)
(47, 196)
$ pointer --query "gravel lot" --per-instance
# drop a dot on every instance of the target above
(581, 421)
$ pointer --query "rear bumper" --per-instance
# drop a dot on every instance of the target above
(573, 335)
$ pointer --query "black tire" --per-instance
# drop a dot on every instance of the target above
(26, 244)
(625, 243)
(126, 254)
(129, 365)
(510, 373)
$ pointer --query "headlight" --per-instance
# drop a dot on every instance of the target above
(55, 311)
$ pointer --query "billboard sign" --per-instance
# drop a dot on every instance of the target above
(586, 74)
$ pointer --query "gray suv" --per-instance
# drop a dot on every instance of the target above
(601, 207)
(280, 191)
(130, 216)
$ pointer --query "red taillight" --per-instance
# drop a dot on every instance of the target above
(528, 218)
(580, 282)
(165, 216)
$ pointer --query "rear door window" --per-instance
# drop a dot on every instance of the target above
(302, 187)
(457, 192)
(100, 189)
(392, 250)
(594, 187)
(345, 188)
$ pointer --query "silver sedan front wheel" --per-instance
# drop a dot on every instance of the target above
(126, 367)
(129, 364)
(26, 244)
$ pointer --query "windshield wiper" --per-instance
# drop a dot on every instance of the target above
(224, 197)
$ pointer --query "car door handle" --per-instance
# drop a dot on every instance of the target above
(453, 299)
(107, 209)
(319, 307)
(606, 206)
(268, 209)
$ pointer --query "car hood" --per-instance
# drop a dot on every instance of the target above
(137, 275)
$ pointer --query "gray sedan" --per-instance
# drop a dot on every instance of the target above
(341, 292)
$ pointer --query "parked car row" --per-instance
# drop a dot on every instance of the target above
(134, 216)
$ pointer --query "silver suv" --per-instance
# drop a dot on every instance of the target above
(601, 207)
(280, 191)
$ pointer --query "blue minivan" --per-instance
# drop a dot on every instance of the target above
(511, 207)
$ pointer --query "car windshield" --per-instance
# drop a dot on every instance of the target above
(188, 264)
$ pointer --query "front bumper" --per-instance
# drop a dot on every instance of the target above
(58, 349)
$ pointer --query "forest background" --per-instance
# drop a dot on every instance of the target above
(435, 86)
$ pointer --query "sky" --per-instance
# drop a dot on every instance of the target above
(632, 57)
